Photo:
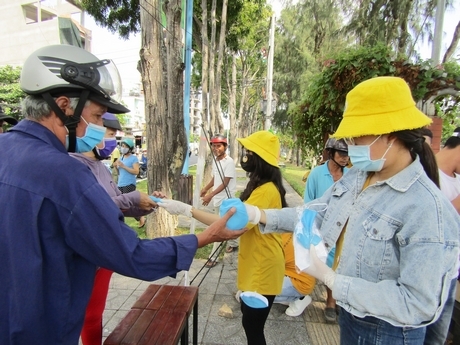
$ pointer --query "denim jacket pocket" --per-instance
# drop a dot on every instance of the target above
(377, 245)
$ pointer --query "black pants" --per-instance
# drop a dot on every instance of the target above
(254, 321)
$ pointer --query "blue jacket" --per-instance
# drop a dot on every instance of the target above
(400, 248)
(57, 225)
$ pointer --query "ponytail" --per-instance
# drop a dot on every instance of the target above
(414, 141)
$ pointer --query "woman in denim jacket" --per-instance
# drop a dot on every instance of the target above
(397, 236)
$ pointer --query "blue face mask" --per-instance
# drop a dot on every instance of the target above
(107, 149)
(93, 136)
(360, 156)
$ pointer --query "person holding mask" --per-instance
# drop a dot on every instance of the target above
(260, 257)
(58, 223)
(128, 169)
(132, 204)
(397, 235)
(321, 179)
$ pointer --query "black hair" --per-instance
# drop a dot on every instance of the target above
(414, 141)
(454, 140)
(264, 173)
(427, 132)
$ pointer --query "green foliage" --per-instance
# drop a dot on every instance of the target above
(10, 91)
(320, 111)
(122, 16)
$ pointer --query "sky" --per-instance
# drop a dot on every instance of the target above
(125, 53)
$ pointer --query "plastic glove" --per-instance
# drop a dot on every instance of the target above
(320, 270)
(176, 207)
(253, 213)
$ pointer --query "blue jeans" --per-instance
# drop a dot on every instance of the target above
(372, 331)
(436, 333)
(288, 293)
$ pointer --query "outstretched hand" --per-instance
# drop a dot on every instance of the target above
(218, 232)
(319, 269)
(176, 207)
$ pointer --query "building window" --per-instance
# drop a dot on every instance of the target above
(34, 14)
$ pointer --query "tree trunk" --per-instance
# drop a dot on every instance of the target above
(232, 113)
(212, 68)
(220, 56)
(165, 126)
(453, 45)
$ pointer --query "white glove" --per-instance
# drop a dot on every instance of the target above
(253, 213)
(176, 207)
(320, 270)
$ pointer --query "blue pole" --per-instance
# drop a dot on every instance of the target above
(187, 77)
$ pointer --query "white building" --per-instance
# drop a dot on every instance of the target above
(26, 26)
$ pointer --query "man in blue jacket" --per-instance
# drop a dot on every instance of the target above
(58, 223)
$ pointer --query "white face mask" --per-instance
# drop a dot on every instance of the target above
(360, 156)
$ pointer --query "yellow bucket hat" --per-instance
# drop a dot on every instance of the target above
(378, 106)
(265, 144)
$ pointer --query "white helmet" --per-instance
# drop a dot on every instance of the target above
(68, 70)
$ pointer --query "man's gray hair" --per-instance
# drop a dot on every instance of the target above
(36, 108)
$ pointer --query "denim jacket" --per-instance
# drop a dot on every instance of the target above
(400, 247)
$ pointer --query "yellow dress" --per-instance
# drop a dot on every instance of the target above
(260, 257)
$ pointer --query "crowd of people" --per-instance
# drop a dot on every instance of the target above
(390, 221)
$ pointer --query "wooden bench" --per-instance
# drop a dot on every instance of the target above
(159, 316)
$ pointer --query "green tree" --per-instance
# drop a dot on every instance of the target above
(320, 111)
(10, 91)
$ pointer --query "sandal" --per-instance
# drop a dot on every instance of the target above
(210, 264)
(231, 249)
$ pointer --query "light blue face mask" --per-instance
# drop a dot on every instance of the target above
(360, 156)
(94, 135)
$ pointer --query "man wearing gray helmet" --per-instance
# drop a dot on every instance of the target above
(58, 222)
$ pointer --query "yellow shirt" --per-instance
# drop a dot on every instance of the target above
(115, 154)
(260, 257)
(302, 282)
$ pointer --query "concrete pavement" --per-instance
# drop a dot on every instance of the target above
(219, 288)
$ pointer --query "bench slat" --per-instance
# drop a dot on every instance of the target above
(116, 337)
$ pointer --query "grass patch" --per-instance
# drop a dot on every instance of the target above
(293, 175)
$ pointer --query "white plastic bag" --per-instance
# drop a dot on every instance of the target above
(306, 233)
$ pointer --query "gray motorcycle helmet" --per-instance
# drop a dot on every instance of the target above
(68, 70)
(335, 144)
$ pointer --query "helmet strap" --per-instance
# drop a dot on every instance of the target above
(71, 122)
(331, 157)
(96, 154)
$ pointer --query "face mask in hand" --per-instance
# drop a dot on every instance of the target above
(94, 135)
(360, 156)
(247, 161)
(109, 145)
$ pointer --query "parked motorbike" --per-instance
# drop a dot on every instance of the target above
(142, 171)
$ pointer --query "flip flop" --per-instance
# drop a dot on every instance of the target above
(231, 249)
(210, 264)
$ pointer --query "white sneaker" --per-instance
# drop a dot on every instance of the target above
(237, 295)
(297, 307)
